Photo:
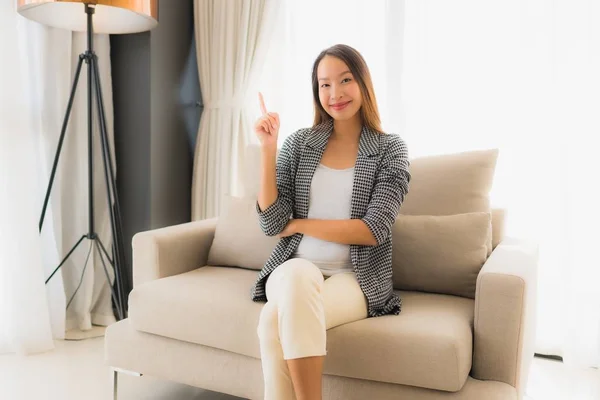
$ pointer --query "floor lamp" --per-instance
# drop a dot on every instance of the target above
(94, 16)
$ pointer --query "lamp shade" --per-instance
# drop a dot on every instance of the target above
(111, 16)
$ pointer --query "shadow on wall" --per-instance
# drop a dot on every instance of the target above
(155, 90)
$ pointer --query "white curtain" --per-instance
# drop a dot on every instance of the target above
(518, 75)
(39, 72)
(232, 38)
(24, 316)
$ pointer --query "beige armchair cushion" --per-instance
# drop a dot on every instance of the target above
(430, 344)
(238, 241)
(440, 254)
(451, 183)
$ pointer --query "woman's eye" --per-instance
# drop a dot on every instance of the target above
(325, 85)
(346, 79)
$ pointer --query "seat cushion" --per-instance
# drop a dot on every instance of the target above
(428, 345)
(210, 306)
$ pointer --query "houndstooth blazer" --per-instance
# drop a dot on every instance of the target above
(381, 181)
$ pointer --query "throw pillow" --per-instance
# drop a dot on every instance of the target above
(440, 254)
(451, 183)
(239, 241)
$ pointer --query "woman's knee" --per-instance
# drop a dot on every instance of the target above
(298, 272)
(294, 279)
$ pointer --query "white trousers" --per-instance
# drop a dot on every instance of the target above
(302, 305)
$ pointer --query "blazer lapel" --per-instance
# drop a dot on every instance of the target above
(309, 160)
(365, 171)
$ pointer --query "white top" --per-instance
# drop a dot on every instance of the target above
(330, 198)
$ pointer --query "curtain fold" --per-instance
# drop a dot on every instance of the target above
(24, 316)
(38, 76)
(232, 37)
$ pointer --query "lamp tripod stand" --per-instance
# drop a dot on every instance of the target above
(94, 89)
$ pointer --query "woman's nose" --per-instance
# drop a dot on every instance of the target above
(336, 93)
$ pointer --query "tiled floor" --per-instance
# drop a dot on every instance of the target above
(75, 370)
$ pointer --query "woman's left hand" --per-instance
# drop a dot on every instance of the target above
(289, 230)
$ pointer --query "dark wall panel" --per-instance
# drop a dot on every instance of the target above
(155, 90)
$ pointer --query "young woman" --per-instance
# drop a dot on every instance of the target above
(332, 196)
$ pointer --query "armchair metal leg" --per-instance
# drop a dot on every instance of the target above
(115, 384)
(116, 379)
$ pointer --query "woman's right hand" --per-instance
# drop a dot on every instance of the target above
(267, 126)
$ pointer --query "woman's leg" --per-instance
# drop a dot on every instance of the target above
(305, 306)
(343, 302)
(343, 299)
(277, 381)
(276, 373)
(295, 286)
(307, 375)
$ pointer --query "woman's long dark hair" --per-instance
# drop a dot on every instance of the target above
(358, 67)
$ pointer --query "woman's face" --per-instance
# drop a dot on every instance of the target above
(339, 92)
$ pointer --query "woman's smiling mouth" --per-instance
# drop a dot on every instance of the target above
(340, 106)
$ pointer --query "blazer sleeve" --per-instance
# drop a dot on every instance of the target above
(274, 219)
(390, 187)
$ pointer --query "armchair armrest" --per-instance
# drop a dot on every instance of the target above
(504, 326)
(172, 250)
